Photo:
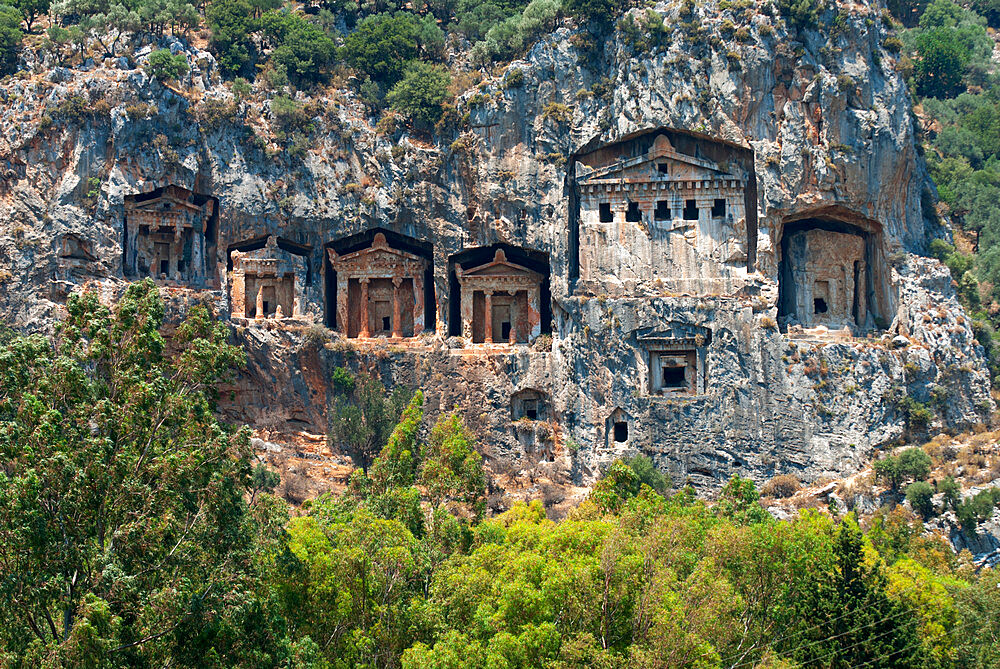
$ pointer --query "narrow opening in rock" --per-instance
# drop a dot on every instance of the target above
(633, 215)
(690, 210)
(662, 212)
(719, 208)
(621, 431)
(819, 306)
(606, 215)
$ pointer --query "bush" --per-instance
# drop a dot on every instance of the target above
(919, 496)
(231, 23)
(289, 114)
(647, 473)
(942, 59)
(801, 14)
(421, 93)
(299, 47)
(10, 37)
(976, 509)
(164, 65)
(382, 46)
(912, 463)
(781, 486)
(951, 491)
(596, 14)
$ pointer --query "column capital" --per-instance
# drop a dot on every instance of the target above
(365, 280)
(397, 281)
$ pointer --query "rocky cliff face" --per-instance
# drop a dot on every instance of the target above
(821, 124)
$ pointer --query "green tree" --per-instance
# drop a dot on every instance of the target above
(10, 37)
(421, 93)
(919, 496)
(595, 14)
(941, 62)
(126, 537)
(164, 65)
(801, 14)
(232, 22)
(107, 22)
(302, 49)
(452, 470)
(382, 46)
(646, 470)
(31, 10)
(363, 417)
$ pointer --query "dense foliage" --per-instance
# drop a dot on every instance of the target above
(947, 58)
(135, 531)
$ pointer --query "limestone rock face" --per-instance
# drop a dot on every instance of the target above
(800, 130)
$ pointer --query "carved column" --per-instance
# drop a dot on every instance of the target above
(534, 312)
(343, 283)
(418, 303)
(260, 301)
(488, 317)
(515, 317)
(365, 332)
(397, 310)
(467, 302)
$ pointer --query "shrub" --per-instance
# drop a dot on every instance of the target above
(300, 48)
(919, 496)
(941, 63)
(289, 114)
(951, 491)
(165, 66)
(976, 509)
(382, 46)
(596, 14)
(214, 113)
(781, 486)
(241, 87)
(421, 93)
(801, 14)
(231, 22)
(514, 78)
(558, 112)
(647, 473)
(912, 463)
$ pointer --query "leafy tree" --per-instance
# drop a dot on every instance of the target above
(382, 46)
(231, 23)
(907, 12)
(988, 9)
(941, 62)
(362, 418)
(421, 93)
(978, 608)
(107, 22)
(740, 501)
(10, 37)
(913, 463)
(919, 496)
(648, 474)
(31, 10)
(164, 65)
(452, 469)
(302, 49)
(801, 14)
(976, 509)
(951, 491)
(125, 533)
(595, 14)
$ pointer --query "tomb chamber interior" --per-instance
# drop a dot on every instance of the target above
(833, 274)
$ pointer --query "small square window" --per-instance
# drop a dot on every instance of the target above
(673, 377)
(632, 214)
(663, 168)
(719, 209)
(662, 212)
(690, 210)
(606, 214)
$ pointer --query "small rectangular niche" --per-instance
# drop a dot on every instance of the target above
(632, 214)
(663, 168)
(662, 212)
(620, 431)
(719, 208)
(690, 210)
(607, 216)
(673, 372)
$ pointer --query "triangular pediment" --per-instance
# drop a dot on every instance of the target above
(660, 163)
(500, 266)
(378, 253)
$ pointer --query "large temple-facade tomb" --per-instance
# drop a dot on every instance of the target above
(500, 302)
(267, 283)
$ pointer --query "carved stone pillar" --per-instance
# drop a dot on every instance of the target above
(418, 304)
(467, 302)
(488, 317)
(260, 301)
(534, 312)
(365, 332)
(343, 282)
(514, 318)
(397, 307)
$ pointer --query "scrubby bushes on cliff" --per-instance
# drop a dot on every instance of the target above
(10, 37)
(421, 93)
(164, 65)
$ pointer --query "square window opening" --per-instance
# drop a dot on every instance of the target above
(690, 210)
(663, 168)
(719, 209)
(632, 214)
(621, 432)
(662, 212)
(606, 215)
(819, 306)
(674, 376)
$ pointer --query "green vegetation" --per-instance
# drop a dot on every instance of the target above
(946, 56)
(10, 37)
(911, 464)
(136, 530)
(421, 93)
(163, 65)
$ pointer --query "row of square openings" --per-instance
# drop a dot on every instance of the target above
(662, 211)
